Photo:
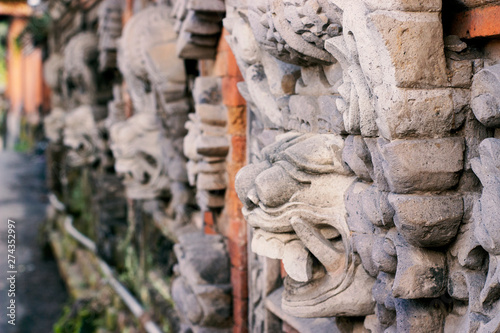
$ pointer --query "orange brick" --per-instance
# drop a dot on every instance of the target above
(239, 149)
(237, 120)
(209, 231)
(233, 204)
(128, 11)
(238, 230)
(223, 45)
(239, 282)
(230, 94)
(282, 268)
(208, 219)
(477, 22)
(220, 67)
(240, 314)
(288, 329)
(232, 66)
(238, 253)
(240, 329)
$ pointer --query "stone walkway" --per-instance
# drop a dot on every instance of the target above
(40, 292)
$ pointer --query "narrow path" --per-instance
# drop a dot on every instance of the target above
(40, 292)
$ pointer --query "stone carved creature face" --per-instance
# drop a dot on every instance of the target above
(53, 125)
(294, 200)
(137, 147)
(81, 135)
(295, 31)
(80, 63)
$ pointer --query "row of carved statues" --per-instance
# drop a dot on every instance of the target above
(373, 156)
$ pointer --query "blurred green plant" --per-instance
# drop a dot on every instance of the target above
(26, 139)
(80, 317)
(37, 29)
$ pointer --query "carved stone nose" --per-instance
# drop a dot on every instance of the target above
(253, 197)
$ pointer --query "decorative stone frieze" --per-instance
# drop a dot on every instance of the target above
(206, 144)
(298, 218)
(202, 290)
(369, 83)
(81, 136)
(109, 31)
(137, 148)
(157, 83)
(198, 23)
(53, 69)
(84, 94)
(80, 71)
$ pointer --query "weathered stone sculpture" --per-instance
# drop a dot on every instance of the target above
(294, 199)
(404, 139)
(109, 31)
(156, 81)
(198, 24)
(80, 71)
(206, 144)
(136, 146)
(53, 74)
(202, 292)
(81, 136)
(84, 93)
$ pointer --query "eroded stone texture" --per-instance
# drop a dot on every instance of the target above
(202, 292)
(206, 144)
(84, 93)
(198, 23)
(53, 69)
(81, 136)
(109, 31)
(156, 79)
(136, 145)
(370, 83)
(485, 96)
(297, 217)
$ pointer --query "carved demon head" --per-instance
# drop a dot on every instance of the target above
(295, 31)
(137, 148)
(294, 200)
(80, 70)
(81, 135)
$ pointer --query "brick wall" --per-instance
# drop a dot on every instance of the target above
(236, 231)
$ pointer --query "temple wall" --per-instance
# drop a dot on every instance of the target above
(287, 166)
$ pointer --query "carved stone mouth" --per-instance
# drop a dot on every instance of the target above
(277, 219)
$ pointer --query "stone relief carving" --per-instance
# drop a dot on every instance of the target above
(156, 80)
(80, 70)
(297, 217)
(202, 291)
(136, 145)
(84, 96)
(405, 141)
(109, 31)
(206, 144)
(198, 24)
(53, 75)
(81, 136)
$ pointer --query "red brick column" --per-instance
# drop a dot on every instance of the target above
(226, 67)
(477, 22)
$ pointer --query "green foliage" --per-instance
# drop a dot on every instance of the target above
(81, 317)
(26, 140)
(37, 28)
(80, 201)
